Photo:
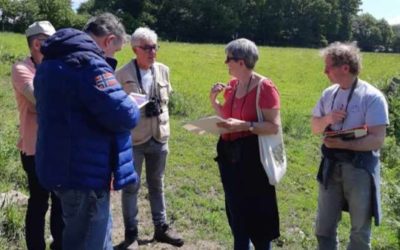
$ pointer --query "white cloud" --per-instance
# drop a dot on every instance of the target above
(394, 20)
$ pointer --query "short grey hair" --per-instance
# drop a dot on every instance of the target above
(344, 54)
(143, 34)
(245, 50)
(105, 24)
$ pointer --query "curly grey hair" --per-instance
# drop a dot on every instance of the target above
(344, 54)
(245, 50)
(143, 34)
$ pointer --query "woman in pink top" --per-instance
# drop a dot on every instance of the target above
(22, 75)
(250, 200)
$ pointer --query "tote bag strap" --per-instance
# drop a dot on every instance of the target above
(259, 112)
(272, 151)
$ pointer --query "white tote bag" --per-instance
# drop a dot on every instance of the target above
(272, 150)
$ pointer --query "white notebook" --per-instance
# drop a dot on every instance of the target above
(141, 100)
(206, 124)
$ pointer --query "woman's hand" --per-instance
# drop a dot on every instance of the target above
(234, 125)
(216, 89)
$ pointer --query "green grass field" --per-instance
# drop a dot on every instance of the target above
(193, 190)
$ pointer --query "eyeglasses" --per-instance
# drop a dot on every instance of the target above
(230, 58)
(149, 48)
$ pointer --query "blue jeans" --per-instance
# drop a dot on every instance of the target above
(155, 156)
(87, 219)
(353, 186)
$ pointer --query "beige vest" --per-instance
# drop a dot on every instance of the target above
(148, 127)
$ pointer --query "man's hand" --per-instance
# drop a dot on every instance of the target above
(319, 124)
(372, 141)
(334, 143)
(336, 116)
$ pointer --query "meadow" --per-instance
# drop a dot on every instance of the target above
(193, 189)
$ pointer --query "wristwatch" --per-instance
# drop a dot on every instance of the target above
(251, 128)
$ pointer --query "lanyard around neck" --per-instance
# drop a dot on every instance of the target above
(353, 87)
(139, 77)
(245, 97)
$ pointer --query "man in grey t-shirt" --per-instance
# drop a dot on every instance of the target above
(348, 165)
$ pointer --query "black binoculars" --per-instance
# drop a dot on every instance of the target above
(153, 107)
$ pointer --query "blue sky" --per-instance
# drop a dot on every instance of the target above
(388, 9)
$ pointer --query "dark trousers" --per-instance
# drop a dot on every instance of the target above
(250, 201)
(37, 208)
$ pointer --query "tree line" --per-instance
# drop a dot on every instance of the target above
(301, 23)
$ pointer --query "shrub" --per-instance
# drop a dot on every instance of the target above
(180, 105)
(392, 93)
(390, 156)
(390, 153)
(12, 223)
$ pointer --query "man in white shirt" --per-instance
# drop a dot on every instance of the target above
(144, 75)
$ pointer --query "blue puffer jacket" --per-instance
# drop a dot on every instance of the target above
(84, 117)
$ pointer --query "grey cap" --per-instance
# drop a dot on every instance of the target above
(40, 27)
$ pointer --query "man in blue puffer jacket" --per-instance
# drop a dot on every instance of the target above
(84, 119)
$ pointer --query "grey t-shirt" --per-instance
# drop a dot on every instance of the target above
(367, 106)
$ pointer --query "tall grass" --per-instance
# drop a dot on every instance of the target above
(193, 189)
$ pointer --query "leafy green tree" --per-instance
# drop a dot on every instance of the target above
(302, 22)
(253, 22)
(86, 7)
(307, 23)
(133, 13)
(396, 38)
(17, 15)
(310, 22)
(58, 12)
(297, 22)
(372, 34)
(172, 18)
(333, 21)
(365, 31)
(396, 29)
(348, 11)
(196, 21)
(5, 12)
(387, 34)
(79, 20)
